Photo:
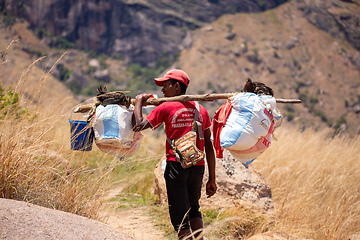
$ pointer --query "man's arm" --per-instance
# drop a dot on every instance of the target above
(139, 122)
(211, 162)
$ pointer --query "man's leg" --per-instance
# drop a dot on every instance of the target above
(197, 226)
(176, 186)
(184, 234)
(194, 190)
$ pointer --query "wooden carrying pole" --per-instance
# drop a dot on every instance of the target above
(204, 97)
(184, 98)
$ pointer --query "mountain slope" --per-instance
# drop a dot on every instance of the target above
(285, 51)
(283, 47)
(141, 31)
(37, 87)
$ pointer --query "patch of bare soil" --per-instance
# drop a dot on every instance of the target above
(135, 222)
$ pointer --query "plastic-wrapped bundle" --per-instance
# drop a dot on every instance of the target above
(247, 131)
(113, 131)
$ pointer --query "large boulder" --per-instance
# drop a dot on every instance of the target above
(21, 220)
(237, 185)
(159, 184)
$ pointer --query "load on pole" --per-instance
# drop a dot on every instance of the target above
(181, 98)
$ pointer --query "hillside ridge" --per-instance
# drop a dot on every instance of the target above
(283, 47)
(137, 31)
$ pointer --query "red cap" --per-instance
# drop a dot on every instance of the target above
(175, 74)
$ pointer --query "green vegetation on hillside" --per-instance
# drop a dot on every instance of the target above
(9, 103)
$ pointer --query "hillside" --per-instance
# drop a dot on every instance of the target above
(141, 31)
(296, 49)
(285, 51)
(37, 87)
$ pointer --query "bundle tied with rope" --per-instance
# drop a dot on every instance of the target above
(111, 119)
(245, 124)
(117, 97)
(104, 98)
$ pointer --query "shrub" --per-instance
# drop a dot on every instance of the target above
(339, 122)
(64, 72)
(63, 43)
(9, 103)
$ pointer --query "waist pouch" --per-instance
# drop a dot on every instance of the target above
(185, 150)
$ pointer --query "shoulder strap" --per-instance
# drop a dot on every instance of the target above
(198, 124)
(169, 141)
(197, 111)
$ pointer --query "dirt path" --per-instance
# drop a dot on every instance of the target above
(135, 222)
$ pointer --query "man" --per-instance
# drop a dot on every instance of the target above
(183, 184)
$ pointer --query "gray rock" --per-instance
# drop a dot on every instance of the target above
(21, 220)
(290, 44)
(102, 75)
(94, 63)
(237, 185)
(244, 185)
(77, 81)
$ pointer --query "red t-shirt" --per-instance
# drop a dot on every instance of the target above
(178, 118)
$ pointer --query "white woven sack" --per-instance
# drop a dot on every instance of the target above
(248, 156)
(113, 131)
(246, 124)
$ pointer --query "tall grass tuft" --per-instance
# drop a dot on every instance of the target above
(315, 183)
(36, 169)
(36, 164)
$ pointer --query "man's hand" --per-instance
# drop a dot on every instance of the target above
(138, 122)
(210, 188)
(142, 98)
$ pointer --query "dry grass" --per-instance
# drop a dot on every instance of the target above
(235, 223)
(35, 170)
(35, 164)
(314, 180)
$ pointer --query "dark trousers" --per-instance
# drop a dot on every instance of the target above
(184, 191)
